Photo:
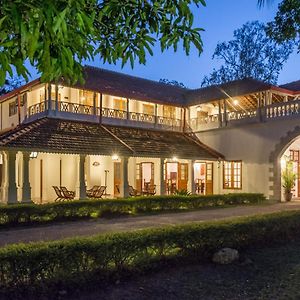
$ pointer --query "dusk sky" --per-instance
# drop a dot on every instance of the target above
(219, 19)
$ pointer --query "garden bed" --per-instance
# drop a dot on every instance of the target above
(79, 262)
(21, 214)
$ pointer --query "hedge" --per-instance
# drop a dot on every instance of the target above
(61, 211)
(81, 260)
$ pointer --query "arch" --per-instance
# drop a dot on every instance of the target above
(275, 157)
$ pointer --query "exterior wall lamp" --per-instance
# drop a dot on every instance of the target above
(33, 155)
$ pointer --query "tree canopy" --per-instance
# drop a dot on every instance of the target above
(56, 36)
(286, 25)
(172, 82)
(10, 84)
(251, 54)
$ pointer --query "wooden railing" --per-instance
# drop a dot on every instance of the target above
(37, 108)
(75, 108)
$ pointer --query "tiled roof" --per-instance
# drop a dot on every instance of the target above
(223, 91)
(74, 137)
(292, 86)
(123, 85)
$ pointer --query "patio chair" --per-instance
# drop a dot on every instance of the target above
(152, 190)
(90, 192)
(133, 192)
(99, 192)
(58, 193)
(68, 195)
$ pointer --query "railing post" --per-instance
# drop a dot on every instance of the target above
(100, 113)
(155, 114)
(220, 114)
(49, 108)
(56, 98)
(225, 113)
(94, 104)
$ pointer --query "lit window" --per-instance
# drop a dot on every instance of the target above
(232, 175)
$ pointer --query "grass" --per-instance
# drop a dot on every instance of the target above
(271, 273)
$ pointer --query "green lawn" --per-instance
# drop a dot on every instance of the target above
(274, 274)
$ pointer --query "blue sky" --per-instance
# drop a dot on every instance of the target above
(219, 19)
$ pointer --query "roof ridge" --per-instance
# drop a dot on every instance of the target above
(140, 78)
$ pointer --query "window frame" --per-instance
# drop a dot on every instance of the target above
(232, 175)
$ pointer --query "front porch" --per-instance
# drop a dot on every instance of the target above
(79, 156)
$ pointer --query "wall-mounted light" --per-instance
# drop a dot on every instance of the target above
(33, 155)
(235, 102)
(199, 108)
(175, 158)
(115, 157)
(96, 163)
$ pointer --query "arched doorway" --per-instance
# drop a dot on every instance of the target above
(286, 152)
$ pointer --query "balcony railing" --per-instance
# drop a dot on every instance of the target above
(106, 113)
(263, 114)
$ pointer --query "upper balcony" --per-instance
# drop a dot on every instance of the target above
(264, 106)
(83, 105)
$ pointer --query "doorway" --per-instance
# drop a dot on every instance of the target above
(176, 176)
(144, 176)
(203, 176)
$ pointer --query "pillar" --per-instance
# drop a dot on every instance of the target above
(82, 187)
(12, 195)
(192, 176)
(162, 179)
(26, 197)
(125, 177)
(56, 98)
(49, 97)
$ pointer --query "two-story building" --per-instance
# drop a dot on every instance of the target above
(121, 131)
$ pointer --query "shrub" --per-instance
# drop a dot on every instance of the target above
(84, 259)
(60, 211)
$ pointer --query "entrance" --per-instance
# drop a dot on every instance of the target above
(176, 176)
(145, 176)
(203, 176)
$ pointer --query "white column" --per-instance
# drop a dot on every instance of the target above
(125, 184)
(82, 187)
(162, 180)
(12, 196)
(26, 184)
(192, 177)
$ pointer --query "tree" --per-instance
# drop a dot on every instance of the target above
(251, 54)
(57, 35)
(10, 84)
(172, 82)
(286, 25)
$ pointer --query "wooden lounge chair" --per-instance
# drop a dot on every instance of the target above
(133, 192)
(68, 195)
(152, 190)
(99, 192)
(58, 193)
(90, 192)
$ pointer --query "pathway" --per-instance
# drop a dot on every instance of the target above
(99, 226)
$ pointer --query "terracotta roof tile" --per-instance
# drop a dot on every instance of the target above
(62, 136)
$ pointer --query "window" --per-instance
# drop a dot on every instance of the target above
(86, 97)
(169, 112)
(120, 104)
(232, 175)
(148, 109)
(13, 108)
(294, 155)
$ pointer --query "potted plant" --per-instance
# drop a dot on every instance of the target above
(288, 181)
